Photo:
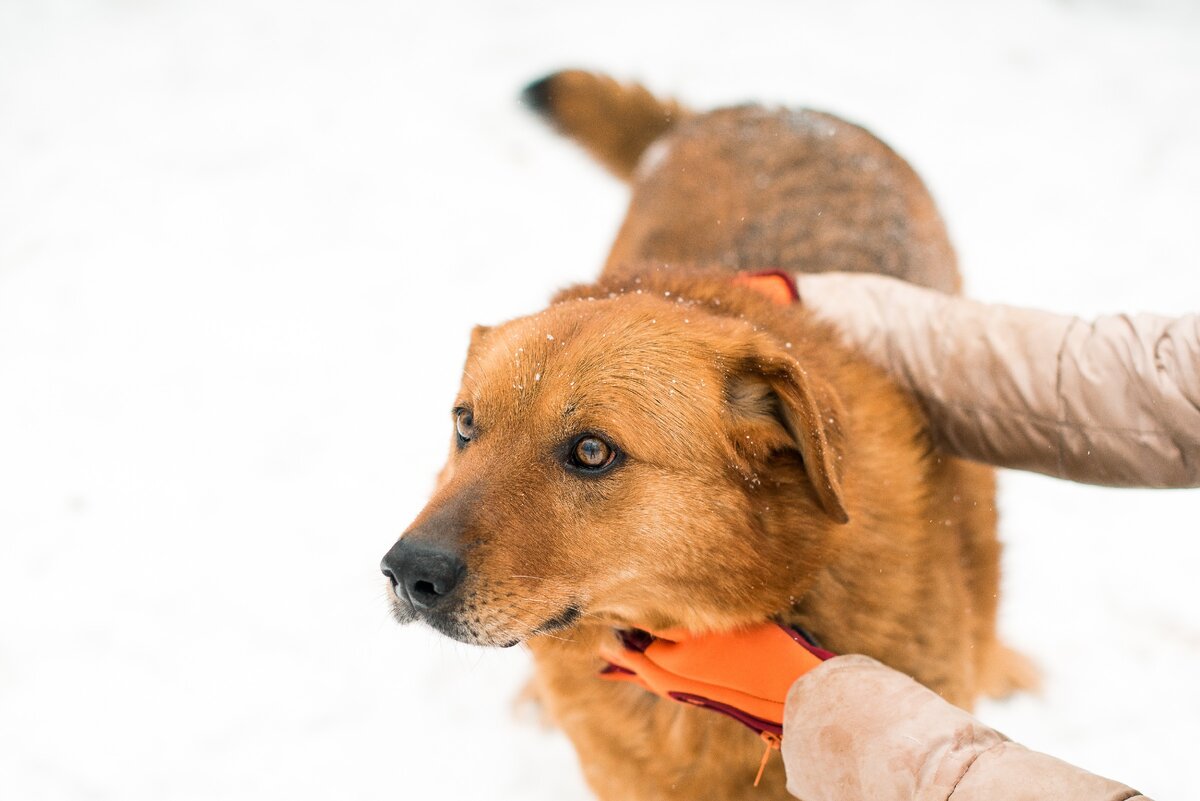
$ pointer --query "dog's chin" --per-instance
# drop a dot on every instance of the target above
(469, 634)
(455, 629)
(477, 632)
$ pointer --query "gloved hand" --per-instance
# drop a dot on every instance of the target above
(744, 674)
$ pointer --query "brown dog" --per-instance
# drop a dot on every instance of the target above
(665, 448)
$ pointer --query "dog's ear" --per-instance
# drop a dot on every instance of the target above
(774, 404)
(477, 335)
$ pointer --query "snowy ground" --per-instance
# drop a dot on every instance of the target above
(242, 244)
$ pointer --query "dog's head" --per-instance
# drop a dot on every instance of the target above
(629, 458)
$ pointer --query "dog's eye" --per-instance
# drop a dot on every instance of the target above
(464, 425)
(592, 453)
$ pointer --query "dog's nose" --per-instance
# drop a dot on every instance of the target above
(422, 575)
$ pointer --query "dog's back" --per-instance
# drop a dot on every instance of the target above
(751, 188)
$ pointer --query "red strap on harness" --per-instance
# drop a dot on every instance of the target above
(776, 285)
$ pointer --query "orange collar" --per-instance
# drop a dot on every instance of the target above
(775, 285)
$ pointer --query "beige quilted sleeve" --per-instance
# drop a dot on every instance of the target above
(856, 730)
(1115, 401)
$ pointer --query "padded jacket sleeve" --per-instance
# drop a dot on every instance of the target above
(855, 729)
(1114, 401)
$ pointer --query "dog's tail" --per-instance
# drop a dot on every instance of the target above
(614, 122)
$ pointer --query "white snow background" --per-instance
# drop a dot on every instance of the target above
(241, 248)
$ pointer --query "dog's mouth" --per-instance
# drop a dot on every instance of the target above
(495, 625)
(564, 620)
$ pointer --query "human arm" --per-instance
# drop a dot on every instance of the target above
(1114, 401)
(856, 729)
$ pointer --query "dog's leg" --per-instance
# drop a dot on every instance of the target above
(999, 670)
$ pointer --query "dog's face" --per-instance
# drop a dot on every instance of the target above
(617, 459)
